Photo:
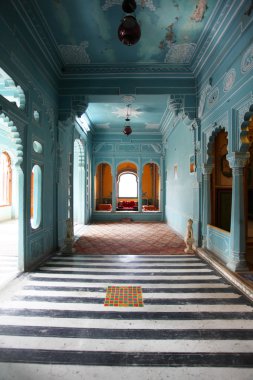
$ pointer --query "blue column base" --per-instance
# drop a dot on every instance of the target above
(237, 266)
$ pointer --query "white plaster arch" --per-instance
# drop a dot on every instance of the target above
(10, 91)
(14, 148)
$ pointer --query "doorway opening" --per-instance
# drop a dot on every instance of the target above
(11, 201)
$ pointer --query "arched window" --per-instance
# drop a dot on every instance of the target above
(36, 191)
(5, 179)
(128, 186)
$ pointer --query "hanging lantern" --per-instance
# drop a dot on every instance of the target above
(129, 6)
(127, 130)
(129, 31)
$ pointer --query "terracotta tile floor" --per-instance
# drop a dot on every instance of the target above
(133, 238)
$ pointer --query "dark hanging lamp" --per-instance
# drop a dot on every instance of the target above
(129, 6)
(127, 130)
(129, 31)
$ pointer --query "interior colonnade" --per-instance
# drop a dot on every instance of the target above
(227, 200)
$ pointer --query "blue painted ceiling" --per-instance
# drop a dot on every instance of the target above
(86, 30)
(85, 33)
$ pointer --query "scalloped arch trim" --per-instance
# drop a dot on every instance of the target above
(210, 143)
(15, 137)
(246, 135)
(10, 91)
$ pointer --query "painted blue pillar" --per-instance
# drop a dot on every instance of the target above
(237, 261)
(140, 189)
(206, 217)
(114, 189)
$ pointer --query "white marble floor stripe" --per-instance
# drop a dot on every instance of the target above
(192, 285)
(129, 277)
(146, 309)
(123, 345)
(154, 324)
(19, 371)
(100, 271)
(101, 295)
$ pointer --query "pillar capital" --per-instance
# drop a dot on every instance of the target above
(238, 159)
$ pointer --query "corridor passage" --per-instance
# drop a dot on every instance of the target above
(54, 325)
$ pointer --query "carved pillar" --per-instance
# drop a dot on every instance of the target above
(140, 188)
(237, 261)
(114, 188)
(206, 217)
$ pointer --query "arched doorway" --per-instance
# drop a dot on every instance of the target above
(11, 210)
(127, 187)
(150, 187)
(103, 187)
(221, 183)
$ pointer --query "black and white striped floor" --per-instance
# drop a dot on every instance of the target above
(53, 325)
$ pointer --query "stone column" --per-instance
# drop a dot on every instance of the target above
(140, 189)
(237, 261)
(206, 217)
(114, 186)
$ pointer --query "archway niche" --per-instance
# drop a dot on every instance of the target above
(12, 212)
(103, 187)
(150, 187)
(221, 183)
(127, 187)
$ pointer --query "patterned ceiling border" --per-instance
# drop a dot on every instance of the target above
(134, 69)
(143, 3)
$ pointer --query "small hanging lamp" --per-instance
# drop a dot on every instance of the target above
(127, 130)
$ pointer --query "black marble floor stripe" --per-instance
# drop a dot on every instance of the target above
(108, 273)
(127, 281)
(125, 266)
(125, 315)
(124, 359)
(144, 290)
(141, 334)
(147, 301)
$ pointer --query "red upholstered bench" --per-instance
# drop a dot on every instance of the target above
(104, 207)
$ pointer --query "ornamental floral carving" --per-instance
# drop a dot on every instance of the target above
(247, 60)
(143, 3)
(229, 80)
(75, 54)
(180, 53)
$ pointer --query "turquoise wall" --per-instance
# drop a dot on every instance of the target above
(225, 85)
(179, 185)
(23, 59)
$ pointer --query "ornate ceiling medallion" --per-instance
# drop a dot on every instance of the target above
(229, 80)
(128, 99)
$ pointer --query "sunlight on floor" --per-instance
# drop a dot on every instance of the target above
(9, 251)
